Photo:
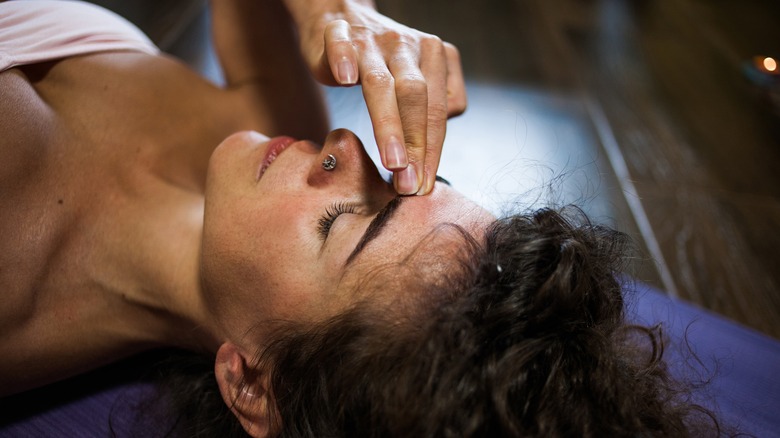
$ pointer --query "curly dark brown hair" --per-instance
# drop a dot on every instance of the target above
(529, 339)
(526, 337)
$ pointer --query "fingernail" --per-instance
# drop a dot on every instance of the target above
(395, 155)
(426, 187)
(346, 71)
(406, 180)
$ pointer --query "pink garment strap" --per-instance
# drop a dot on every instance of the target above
(33, 31)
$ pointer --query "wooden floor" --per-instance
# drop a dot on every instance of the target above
(671, 142)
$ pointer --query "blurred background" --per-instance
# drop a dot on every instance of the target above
(658, 117)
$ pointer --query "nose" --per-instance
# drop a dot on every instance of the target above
(353, 167)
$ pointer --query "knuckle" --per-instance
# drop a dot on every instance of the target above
(437, 111)
(339, 44)
(433, 39)
(336, 24)
(414, 118)
(432, 43)
(394, 36)
(377, 79)
(411, 85)
(457, 106)
(415, 148)
(386, 121)
(337, 30)
(452, 51)
(361, 43)
(454, 112)
(399, 41)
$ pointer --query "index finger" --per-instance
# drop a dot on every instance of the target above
(379, 93)
(412, 96)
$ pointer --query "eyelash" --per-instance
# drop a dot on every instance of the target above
(341, 207)
(331, 213)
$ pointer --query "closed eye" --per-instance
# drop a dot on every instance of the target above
(329, 217)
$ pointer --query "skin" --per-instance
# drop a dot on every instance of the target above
(261, 241)
(109, 165)
(412, 81)
(264, 260)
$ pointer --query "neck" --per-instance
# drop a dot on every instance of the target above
(170, 295)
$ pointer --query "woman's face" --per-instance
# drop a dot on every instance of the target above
(289, 240)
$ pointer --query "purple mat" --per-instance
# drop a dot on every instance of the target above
(109, 402)
(743, 364)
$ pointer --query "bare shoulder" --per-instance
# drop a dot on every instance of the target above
(26, 124)
(90, 145)
(48, 195)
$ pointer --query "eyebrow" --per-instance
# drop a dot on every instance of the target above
(441, 179)
(375, 227)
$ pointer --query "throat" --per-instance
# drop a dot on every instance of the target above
(150, 263)
(171, 288)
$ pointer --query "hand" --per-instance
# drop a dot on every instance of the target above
(412, 81)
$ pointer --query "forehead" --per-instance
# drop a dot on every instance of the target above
(418, 216)
(419, 226)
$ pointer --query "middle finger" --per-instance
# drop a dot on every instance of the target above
(411, 90)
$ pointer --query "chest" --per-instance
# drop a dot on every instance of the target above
(96, 154)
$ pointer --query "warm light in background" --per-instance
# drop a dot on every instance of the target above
(766, 65)
(770, 64)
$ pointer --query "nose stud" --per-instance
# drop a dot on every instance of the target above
(329, 163)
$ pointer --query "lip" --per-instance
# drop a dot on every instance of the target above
(274, 147)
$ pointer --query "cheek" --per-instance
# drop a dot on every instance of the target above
(301, 284)
(266, 257)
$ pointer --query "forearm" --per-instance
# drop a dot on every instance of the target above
(256, 42)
